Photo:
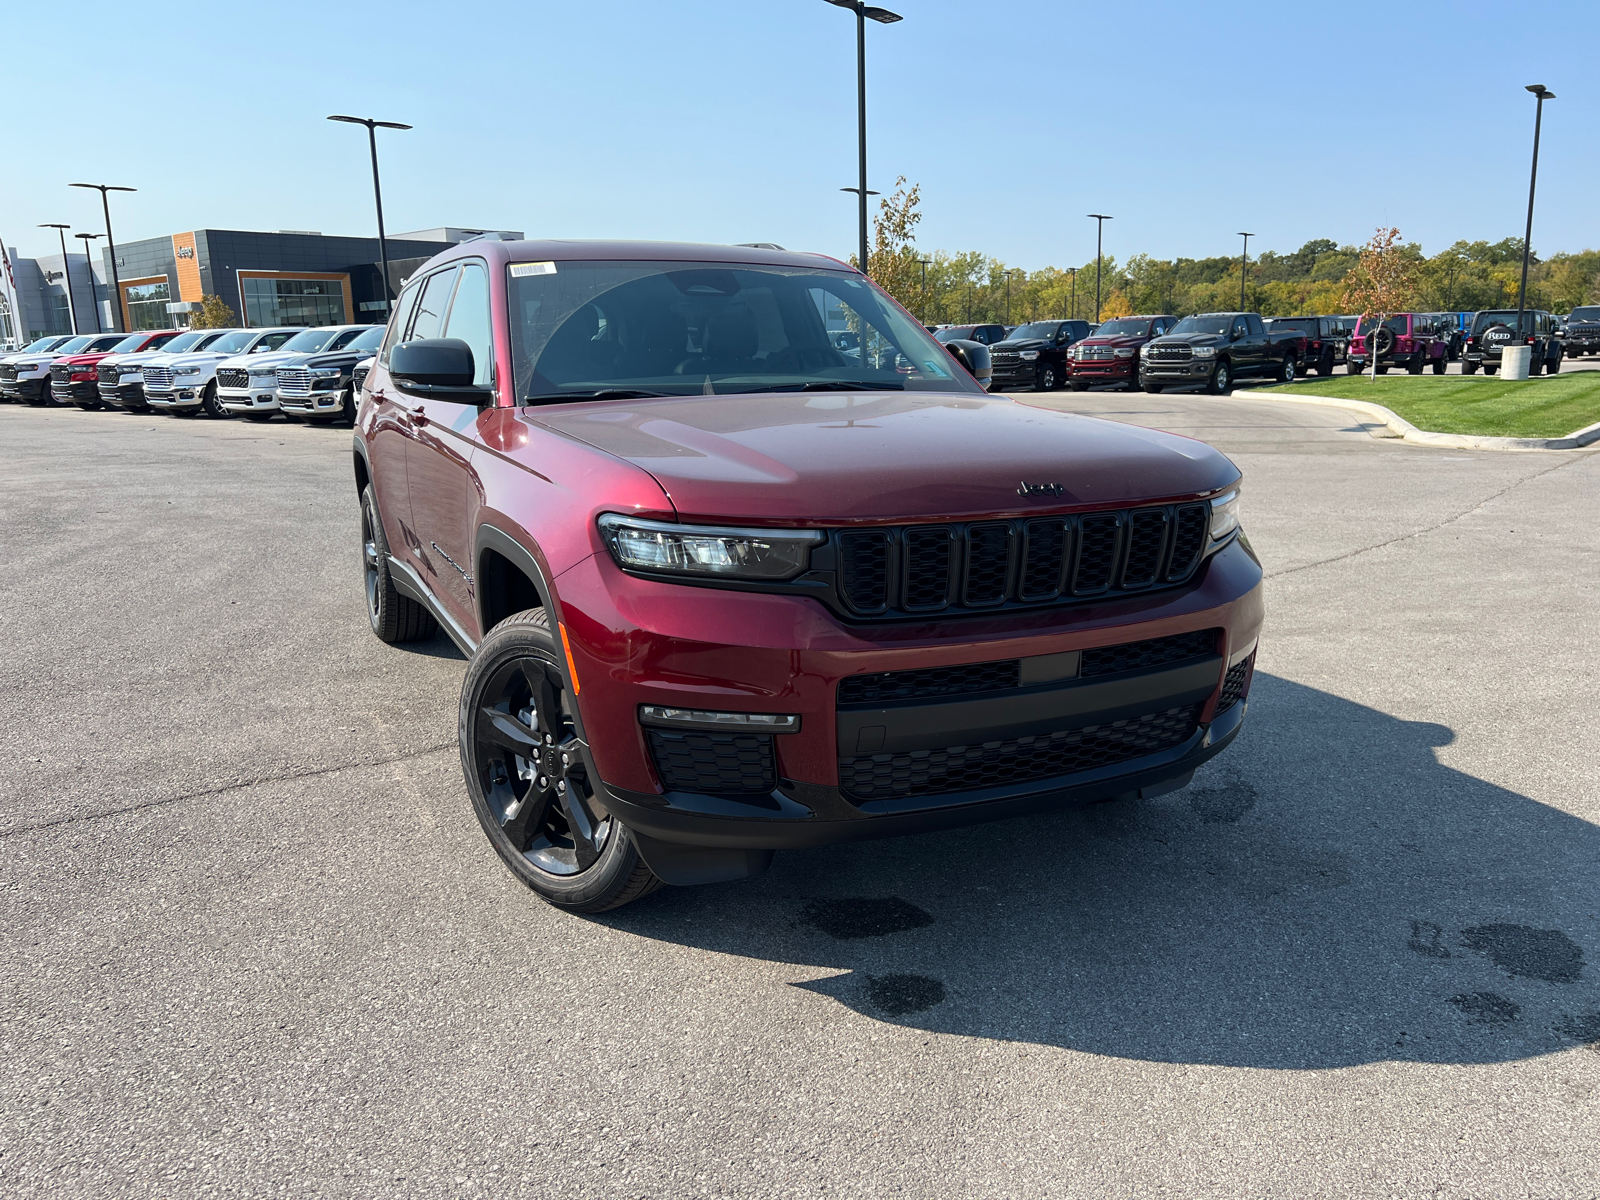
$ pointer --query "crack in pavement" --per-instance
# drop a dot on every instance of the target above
(15, 830)
(1510, 487)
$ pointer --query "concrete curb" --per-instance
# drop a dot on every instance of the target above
(1396, 426)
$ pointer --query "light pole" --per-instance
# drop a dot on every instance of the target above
(1242, 261)
(924, 263)
(1542, 93)
(1008, 274)
(377, 191)
(883, 16)
(88, 239)
(111, 245)
(1100, 225)
(1073, 271)
(66, 271)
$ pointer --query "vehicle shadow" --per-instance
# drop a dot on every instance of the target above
(1324, 894)
(438, 646)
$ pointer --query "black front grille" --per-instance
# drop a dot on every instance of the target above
(1180, 352)
(8, 373)
(1017, 760)
(932, 568)
(60, 374)
(109, 374)
(718, 764)
(962, 680)
(359, 377)
(233, 377)
(1156, 652)
(1236, 684)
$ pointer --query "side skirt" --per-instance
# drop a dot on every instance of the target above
(408, 581)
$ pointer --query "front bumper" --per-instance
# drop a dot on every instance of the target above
(180, 396)
(638, 642)
(127, 395)
(318, 403)
(1185, 372)
(1104, 370)
(33, 391)
(262, 399)
(87, 390)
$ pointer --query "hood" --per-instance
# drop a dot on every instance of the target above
(81, 360)
(273, 358)
(827, 457)
(1020, 344)
(334, 358)
(27, 362)
(1190, 339)
(1121, 339)
(136, 360)
(197, 358)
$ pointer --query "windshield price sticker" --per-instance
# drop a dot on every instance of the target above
(518, 270)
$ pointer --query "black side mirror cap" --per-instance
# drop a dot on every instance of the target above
(440, 367)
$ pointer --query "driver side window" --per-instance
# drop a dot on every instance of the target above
(401, 318)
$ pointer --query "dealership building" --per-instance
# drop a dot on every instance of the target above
(285, 278)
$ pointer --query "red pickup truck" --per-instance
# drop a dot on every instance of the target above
(726, 588)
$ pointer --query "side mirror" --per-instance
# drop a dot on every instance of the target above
(440, 367)
(1234, 335)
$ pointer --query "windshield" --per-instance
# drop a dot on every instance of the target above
(1126, 327)
(233, 343)
(1212, 324)
(308, 340)
(184, 341)
(72, 345)
(1585, 312)
(1039, 329)
(684, 328)
(129, 344)
(369, 339)
(44, 343)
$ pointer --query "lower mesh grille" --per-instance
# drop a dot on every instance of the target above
(1236, 686)
(1157, 652)
(1018, 760)
(930, 681)
(718, 764)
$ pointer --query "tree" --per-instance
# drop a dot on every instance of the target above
(894, 266)
(1382, 283)
(213, 314)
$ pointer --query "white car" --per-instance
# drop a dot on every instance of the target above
(26, 375)
(248, 383)
(121, 379)
(8, 363)
(186, 383)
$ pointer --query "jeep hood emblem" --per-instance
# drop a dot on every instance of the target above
(1037, 490)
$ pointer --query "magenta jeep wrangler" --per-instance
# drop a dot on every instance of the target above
(1414, 341)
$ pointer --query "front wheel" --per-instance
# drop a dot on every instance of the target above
(1045, 379)
(529, 777)
(1488, 370)
(1414, 367)
(212, 403)
(1552, 365)
(1440, 366)
(347, 407)
(1220, 380)
(1080, 385)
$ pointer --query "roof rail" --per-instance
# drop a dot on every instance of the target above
(759, 245)
(489, 237)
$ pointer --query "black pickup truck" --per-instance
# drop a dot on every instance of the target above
(1217, 348)
(1327, 340)
(1035, 355)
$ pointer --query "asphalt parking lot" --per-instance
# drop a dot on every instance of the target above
(256, 945)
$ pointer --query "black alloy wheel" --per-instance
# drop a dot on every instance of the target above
(1440, 365)
(1044, 379)
(1382, 340)
(1552, 365)
(1414, 367)
(1325, 363)
(1220, 379)
(347, 406)
(528, 774)
(393, 617)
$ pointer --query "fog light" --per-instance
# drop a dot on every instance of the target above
(694, 718)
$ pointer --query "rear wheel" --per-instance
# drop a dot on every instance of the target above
(394, 618)
(1552, 365)
(1286, 371)
(1221, 379)
(529, 778)
(1325, 363)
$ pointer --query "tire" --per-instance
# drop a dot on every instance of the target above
(1382, 369)
(1044, 379)
(1325, 363)
(393, 617)
(1221, 379)
(1440, 365)
(530, 782)
(1286, 370)
(259, 417)
(1080, 385)
(347, 407)
(213, 404)
(1552, 365)
(1136, 381)
(1489, 370)
(1152, 389)
(1468, 368)
(1414, 367)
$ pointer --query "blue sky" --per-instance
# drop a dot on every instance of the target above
(724, 121)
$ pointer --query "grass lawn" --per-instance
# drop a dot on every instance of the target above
(1550, 406)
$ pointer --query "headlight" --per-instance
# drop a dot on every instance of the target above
(1028, 355)
(1126, 352)
(186, 371)
(1205, 351)
(264, 373)
(1224, 514)
(641, 545)
(325, 372)
(130, 372)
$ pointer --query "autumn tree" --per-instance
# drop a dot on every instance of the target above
(1382, 283)
(894, 266)
(213, 313)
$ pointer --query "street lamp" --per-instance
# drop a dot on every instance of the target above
(66, 271)
(88, 239)
(111, 245)
(1073, 271)
(1242, 261)
(1542, 93)
(924, 263)
(377, 192)
(1008, 274)
(883, 16)
(1100, 225)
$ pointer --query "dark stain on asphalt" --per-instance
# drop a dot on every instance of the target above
(898, 995)
(1222, 805)
(1425, 937)
(1584, 1028)
(864, 917)
(1487, 1008)
(1546, 954)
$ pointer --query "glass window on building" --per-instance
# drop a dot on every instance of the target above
(269, 302)
(147, 306)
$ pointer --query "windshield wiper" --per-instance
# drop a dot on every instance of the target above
(831, 385)
(599, 394)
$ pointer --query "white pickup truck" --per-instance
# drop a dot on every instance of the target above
(186, 383)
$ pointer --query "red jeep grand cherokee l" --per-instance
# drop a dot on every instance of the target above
(727, 589)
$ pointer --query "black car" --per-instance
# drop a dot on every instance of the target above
(1583, 330)
(1035, 355)
(1495, 329)
(988, 335)
(1327, 340)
